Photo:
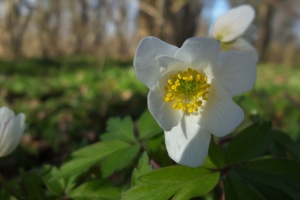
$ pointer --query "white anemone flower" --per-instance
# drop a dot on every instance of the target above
(235, 31)
(11, 130)
(191, 90)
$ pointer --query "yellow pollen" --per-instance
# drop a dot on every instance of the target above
(187, 90)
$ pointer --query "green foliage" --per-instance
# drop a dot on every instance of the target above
(249, 143)
(118, 129)
(216, 155)
(142, 168)
(119, 160)
(99, 190)
(284, 146)
(147, 126)
(88, 156)
(182, 182)
(72, 101)
(55, 187)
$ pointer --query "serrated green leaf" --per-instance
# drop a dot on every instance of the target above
(147, 126)
(249, 143)
(217, 155)
(88, 156)
(69, 183)
(96, 190)
(55, 187)
(183, 182)
(142, 168)
(118, 160)
(118, 129)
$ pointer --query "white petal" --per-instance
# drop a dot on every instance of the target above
(187, 143)
(237, 72)
(6, 115)
(250, 34)
(146, 67)
(166, 116)
(200, 53)
(170, 63)
(242, 45)
(219, 114)
(12, 135)
(233, 23)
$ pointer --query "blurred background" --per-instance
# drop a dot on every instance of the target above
(68, 65)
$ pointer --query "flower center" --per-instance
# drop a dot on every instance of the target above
(187, 90)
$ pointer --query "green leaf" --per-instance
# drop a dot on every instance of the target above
(249, 143)
(277, 150)
(118, 160)
(183, 182)
(55, 187)
(147, 126)
(287, 144)
(237, 190)
(118, 129)
(95, 190)
(217, 155)
(88, 156)
(278, 184)
(285, 168)
(143, 168)
(32, 183)
(268, 186)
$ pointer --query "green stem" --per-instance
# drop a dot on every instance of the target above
(8, 189)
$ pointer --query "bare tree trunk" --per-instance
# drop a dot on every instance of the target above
(265, 16)
(183, 20)
(17, 24)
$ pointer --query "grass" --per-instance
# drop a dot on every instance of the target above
(68, 100)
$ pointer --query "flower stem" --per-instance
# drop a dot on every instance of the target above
(8, 189)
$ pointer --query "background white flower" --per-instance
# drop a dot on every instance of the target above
(191, 90)
(11, 130)
(234, 30)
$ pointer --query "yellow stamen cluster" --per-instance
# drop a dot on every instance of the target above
(187, 90)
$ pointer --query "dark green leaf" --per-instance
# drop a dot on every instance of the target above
(244, 192)
(147, 126)
(217, 155)
(286, 168)
(279, 183)
(118, 129)
(236, 188)
(183, 182)
(143, 168)
(249, 143)
(229, 189)
(287, 143)
(32, 184)
(95, 190)
(118, 160)
(277, 150)
(267, 191)
(88, 156)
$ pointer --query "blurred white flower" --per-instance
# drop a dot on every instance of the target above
(235, 32)
(191, 90)
(11, 130)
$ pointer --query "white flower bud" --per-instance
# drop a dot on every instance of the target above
(11, 130)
